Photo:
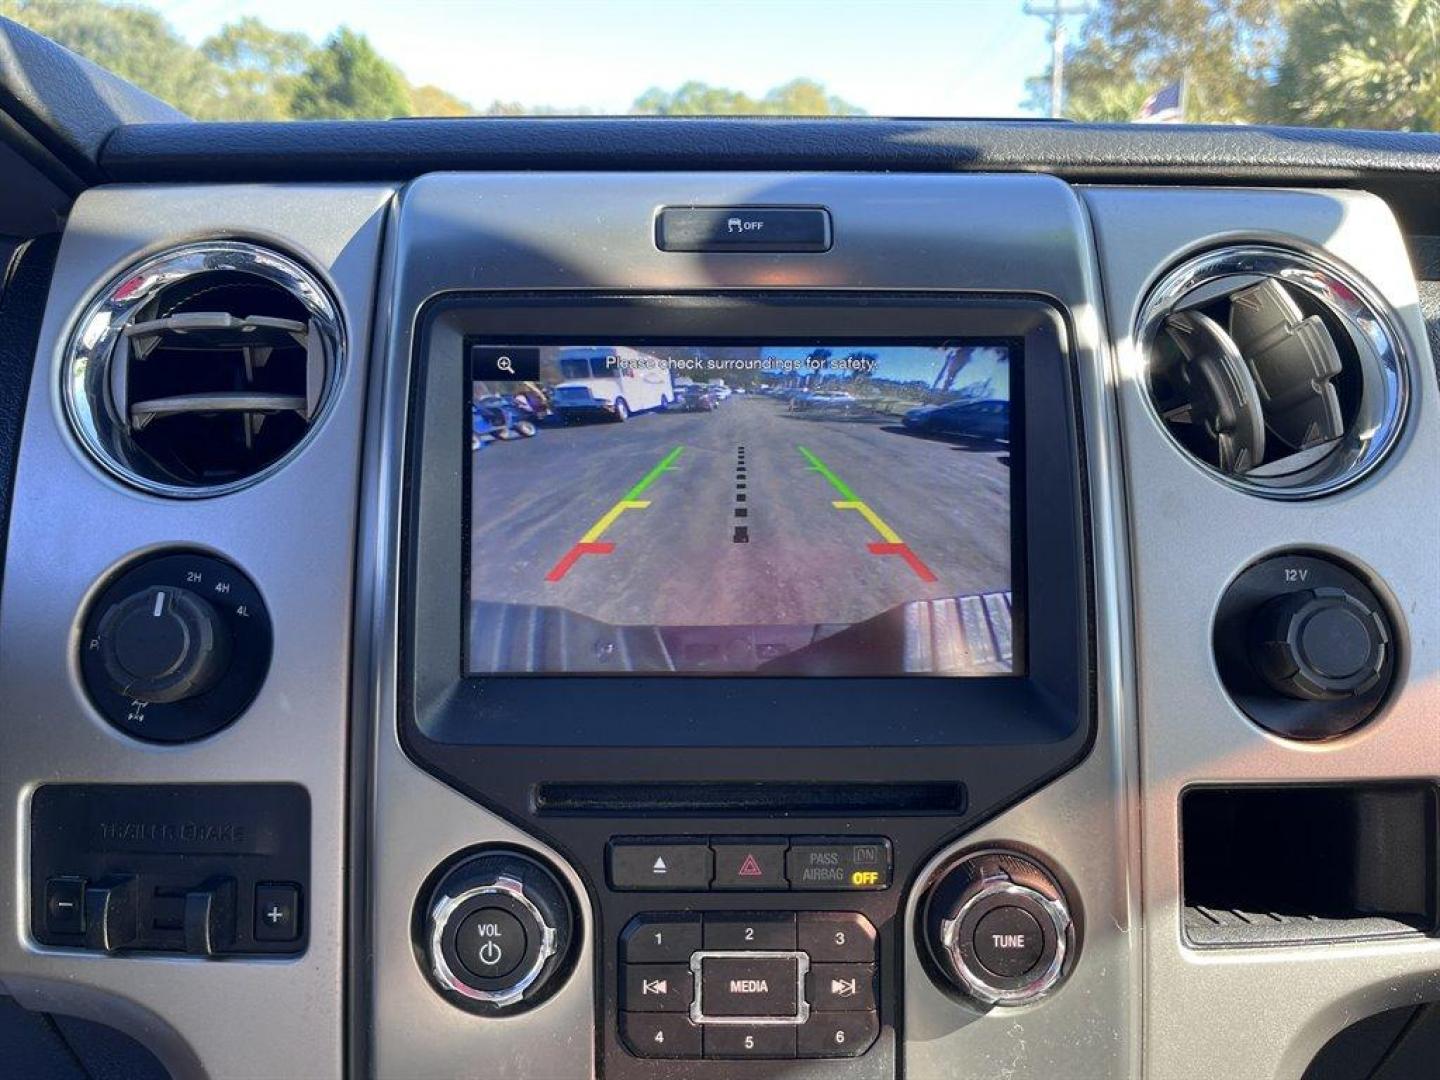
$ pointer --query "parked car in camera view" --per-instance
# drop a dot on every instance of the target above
(696, 398)
(827, 401)
(985, 419)
(610, 383)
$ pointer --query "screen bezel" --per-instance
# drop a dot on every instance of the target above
(1015, 449)
(447, 706)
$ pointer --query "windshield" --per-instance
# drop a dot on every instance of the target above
(1329, 63)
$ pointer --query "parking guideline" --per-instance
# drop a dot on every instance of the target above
(891, 543)
(590, 543)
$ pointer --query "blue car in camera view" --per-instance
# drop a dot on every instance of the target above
(985, 419)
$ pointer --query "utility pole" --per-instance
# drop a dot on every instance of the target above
(1055, 14)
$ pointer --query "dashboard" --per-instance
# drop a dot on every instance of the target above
(584, 601)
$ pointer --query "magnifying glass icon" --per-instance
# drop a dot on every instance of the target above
(506, 365)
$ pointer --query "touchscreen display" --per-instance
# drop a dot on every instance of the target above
(834, 509)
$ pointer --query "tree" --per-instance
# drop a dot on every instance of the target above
(261, 66)
(349, 80)
(1224, 50)
(805, 97)
(1362, 63)
(799, 97)
(133, 42)
(432, 101)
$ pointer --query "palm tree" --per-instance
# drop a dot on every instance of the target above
(1362, 63)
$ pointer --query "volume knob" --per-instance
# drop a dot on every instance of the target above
(163, 644)
(500, 927)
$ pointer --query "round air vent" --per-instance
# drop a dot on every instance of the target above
(1278, 372)
(203, 369)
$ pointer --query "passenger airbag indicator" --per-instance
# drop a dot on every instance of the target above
(859, 864)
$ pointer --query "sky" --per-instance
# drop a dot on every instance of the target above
(889, 57)
(908, 363)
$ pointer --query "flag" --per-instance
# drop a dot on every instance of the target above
(1165, 106)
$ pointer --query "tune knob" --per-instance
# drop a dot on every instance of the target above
(998, 928)
(499, 928)
(1321, 644)
(163, 644)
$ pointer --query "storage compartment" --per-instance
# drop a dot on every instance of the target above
(1304, 864)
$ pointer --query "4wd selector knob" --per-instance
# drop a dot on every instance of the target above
(998, 928)
(175, 646)
(499, 927)
(163, 644)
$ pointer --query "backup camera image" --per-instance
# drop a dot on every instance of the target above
(788, 510)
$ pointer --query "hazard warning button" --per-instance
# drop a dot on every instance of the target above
(749, 865)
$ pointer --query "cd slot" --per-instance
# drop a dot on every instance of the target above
(742, 799)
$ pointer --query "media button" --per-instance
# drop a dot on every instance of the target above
(761, 986)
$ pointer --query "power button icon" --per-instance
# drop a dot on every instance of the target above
(490, 942)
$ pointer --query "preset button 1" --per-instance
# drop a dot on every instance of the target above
(660, 939)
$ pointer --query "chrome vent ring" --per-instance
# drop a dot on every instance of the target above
(1278, 372)
(226, 349)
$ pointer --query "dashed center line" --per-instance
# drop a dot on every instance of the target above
(741, 533)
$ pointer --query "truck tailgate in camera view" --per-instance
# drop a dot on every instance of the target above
(838, 509)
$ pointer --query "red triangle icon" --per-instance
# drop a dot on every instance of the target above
(750, 868)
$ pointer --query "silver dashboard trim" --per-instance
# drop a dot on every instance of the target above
(574, 231)
(1264, 1012)
(73, 524)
